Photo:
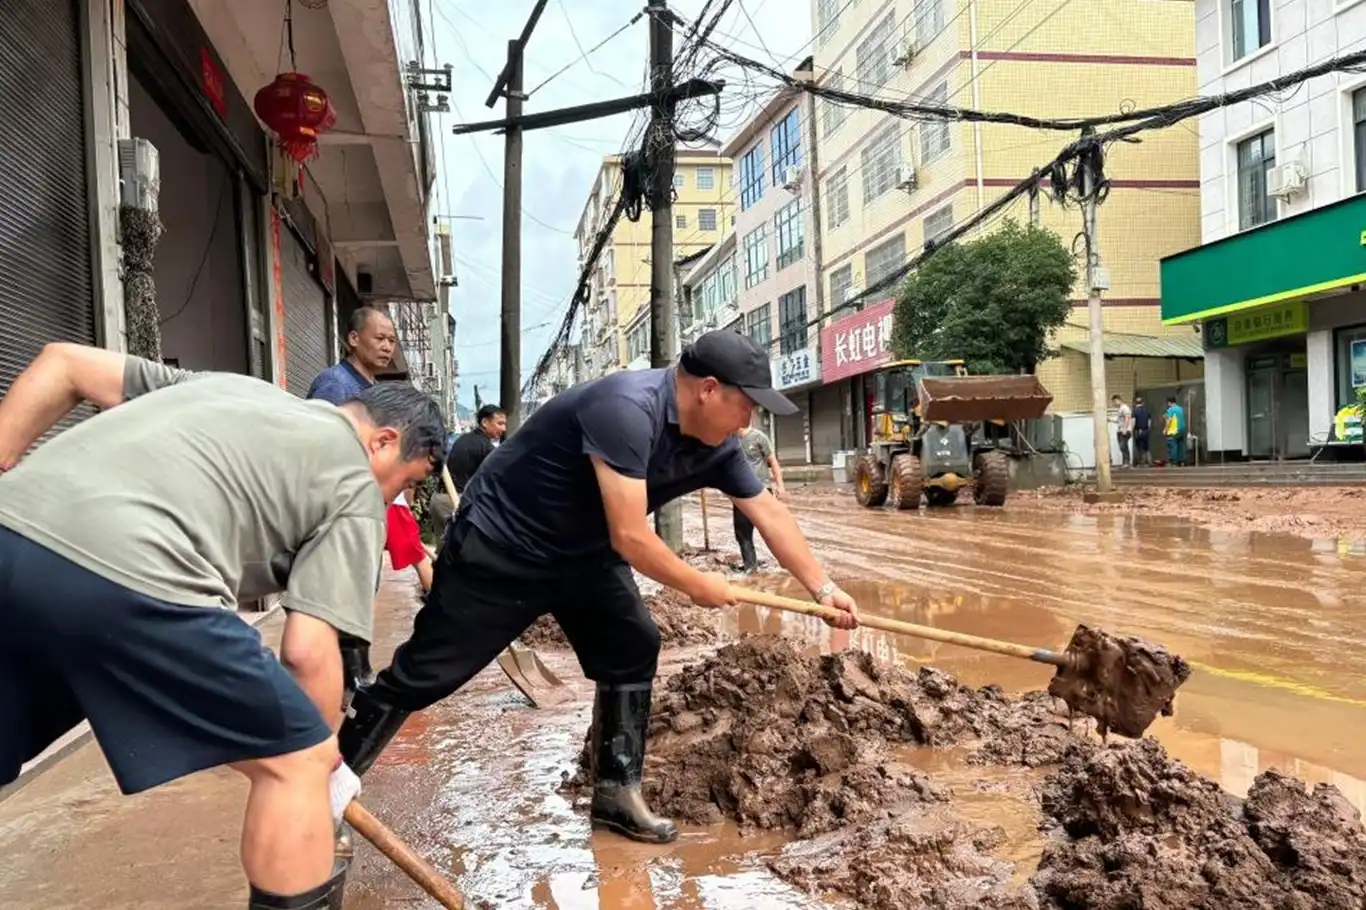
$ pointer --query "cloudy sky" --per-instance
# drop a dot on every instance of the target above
(559, 164)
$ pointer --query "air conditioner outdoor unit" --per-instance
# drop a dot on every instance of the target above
(792, 179)
(905, 178)
(901, 54)
(429, 370)
(1286, 179)
(850, 295)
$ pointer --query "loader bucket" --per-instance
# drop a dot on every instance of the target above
(973, 399)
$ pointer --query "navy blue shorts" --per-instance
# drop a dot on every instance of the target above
(168, 689)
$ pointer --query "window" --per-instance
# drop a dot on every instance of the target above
(727, 284)
(752, 176)
(827, 19)
(759, 325)
(841, 283)
(1256, 157)
(706, 178)
(837, 198)
(638, 341)
(833, 115)
(934, 135)
(1351, 360)
(1251, 26)
(929, 19)
(938, 224)
(787, 146)
(792, 321)
(880, 161)
(706, 219)
(884, 259)
(1359, 136)
(756, 256)
(680, 221)
(788, 227)
(874, 54)
(678, 181)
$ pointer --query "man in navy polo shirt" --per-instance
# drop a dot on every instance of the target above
(555, 520)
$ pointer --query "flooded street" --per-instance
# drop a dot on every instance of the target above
(1270, 625)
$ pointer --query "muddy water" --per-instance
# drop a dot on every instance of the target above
(1271, 625)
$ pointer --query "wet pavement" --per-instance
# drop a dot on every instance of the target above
(1270, 624)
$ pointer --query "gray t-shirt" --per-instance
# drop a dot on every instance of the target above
(757, 448)
(218, 488)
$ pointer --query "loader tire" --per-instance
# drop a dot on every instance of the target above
(939, 498)
(870, 482)
(990, 479)
(908, 482)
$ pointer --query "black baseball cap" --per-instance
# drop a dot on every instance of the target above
(735, 360)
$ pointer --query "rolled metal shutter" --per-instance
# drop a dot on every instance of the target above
(789, 442)
(825, 423)
(48, 289)
(306, 342)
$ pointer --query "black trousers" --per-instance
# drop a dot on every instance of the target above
(483, 598)
(744, 536)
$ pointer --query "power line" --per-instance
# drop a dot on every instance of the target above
(583, 55)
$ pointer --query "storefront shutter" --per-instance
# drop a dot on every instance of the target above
(826, 421)
(789, 442)
(306, 335)
(47, 292)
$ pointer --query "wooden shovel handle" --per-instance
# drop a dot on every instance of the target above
(414, 866)
(450, 486)
(792, 605)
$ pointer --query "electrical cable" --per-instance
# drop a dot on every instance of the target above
(583, 55)
(208, 248)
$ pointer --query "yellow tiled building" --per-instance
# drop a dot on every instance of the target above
(887, 183)
(617, 322)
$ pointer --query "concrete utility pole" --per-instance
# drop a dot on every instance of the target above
(510, 375)
(660, 151)
(448, 400)
(1097, 280)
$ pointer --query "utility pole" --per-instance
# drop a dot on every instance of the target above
(1097, 280)
(510, 375)
(661, 163)
(448, 400)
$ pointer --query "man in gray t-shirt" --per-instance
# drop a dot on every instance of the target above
(758, 451)
(127, 541)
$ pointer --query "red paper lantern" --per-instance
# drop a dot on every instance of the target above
(298, 111)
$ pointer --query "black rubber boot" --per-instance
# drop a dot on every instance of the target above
(327, 896)
(356, 669)
(621, 715)
(749, 558)
(370, 724)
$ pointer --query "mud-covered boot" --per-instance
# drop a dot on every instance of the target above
(370, 724)
(327, 896)
(621, 716)
(356, 669)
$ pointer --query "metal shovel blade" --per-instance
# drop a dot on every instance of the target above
(525, 669)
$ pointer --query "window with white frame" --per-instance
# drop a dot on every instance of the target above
(1255, 157)
(759, 325)
(841, 283)
(1250, 27)
(752, 176)
(728, 280)
(756, 256)
(706, 178)
(837, 198)
(938, 224)
(884, 259)
(827, 19)
(880, 162)
(790, 231)
(678, 180)
(792, 328)
(929, 20)
(1359, 137)
(786, 144)
(833, 115)
(638, 341)
(873, 56)
(681, 221)
(934, 134)
(706, 219)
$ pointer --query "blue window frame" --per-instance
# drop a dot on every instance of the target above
(785, 138)
(752, 176)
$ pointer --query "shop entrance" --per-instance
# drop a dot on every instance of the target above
(1277, 405)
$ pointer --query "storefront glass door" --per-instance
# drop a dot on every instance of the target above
(1277, 407)
(1261, 410)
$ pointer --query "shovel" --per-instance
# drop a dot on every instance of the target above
(1124, 683)
(401, 855)
(523, 666)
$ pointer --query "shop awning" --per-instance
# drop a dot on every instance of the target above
(1123, 344)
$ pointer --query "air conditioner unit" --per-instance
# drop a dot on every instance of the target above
(792, 179)
(429, 370)
(850, 295)
(904, 178)
(903, 53)
(1286, 179)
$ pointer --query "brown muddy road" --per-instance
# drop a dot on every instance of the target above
(1271, 625)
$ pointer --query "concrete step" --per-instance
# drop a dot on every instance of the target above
(1304, 475)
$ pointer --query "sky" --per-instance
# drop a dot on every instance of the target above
(559, 164)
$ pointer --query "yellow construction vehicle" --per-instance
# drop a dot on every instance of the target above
(926, 416)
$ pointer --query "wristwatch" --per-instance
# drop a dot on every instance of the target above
(826, 590)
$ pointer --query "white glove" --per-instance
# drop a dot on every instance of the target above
(343, 787)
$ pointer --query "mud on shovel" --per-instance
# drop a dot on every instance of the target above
(414, 866)
(1122, 682)
(522, 666)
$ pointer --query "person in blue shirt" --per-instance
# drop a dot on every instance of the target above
(555, 521)
(370, 343)
(1174, 429)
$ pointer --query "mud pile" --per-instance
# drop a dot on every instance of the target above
(1144, 831)
(1122, 682)
(680, 624)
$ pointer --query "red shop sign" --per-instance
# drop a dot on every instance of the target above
(212, 79)
(857, 343)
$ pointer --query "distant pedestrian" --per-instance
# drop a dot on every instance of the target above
(1124, 430)
(1174, 430)
(472, 448)
(758, 450)
(1143, 424)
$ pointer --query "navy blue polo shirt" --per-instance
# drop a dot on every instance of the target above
(536, 497)
(338, 384)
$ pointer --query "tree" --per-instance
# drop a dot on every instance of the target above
(993, 302)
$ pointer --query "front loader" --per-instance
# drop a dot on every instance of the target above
(926, 416)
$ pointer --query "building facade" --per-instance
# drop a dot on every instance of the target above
(616, 327)
(888, 185)
(144, 117)
(1274, 288)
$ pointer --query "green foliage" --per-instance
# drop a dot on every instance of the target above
(992, 302)
(1361, 402)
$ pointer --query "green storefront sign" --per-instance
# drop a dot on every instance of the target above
(1257, 324)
